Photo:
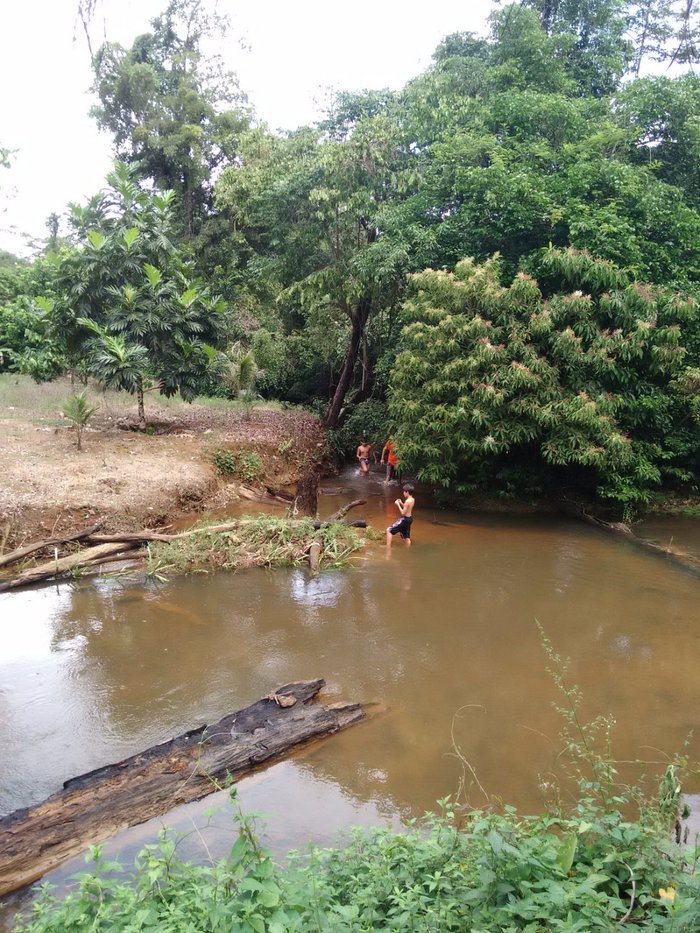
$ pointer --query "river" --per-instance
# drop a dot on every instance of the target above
(442, 635)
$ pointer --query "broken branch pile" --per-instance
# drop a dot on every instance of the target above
(263, 541)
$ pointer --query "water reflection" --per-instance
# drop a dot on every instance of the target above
(95, 672)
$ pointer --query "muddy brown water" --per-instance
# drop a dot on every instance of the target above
(442, 635)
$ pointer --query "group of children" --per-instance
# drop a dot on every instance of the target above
(402, 526)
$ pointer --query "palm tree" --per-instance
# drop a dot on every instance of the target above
(78, 410)
(241, 375)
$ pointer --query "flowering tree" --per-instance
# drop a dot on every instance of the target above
(589, 387)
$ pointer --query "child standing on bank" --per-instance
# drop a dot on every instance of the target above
(402, 526)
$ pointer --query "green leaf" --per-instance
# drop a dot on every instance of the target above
(96, 238)
(131, 236)
(567, 850)
(153, 275)
(189, 297)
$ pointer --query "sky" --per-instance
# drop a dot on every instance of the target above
(286, 56)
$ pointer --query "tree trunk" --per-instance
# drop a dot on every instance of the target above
(142, 410)
(359, 320)
(95, 806)
(306, 499)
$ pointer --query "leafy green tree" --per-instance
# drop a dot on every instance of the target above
(127, 307)
(25, 324)
(661, 120)
(310, 211)
(174, 114)
(588, 36)
(583, 389)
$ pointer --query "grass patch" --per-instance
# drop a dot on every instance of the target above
(23, 394)
(256, 541)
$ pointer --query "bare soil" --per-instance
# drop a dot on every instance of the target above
(128, 479)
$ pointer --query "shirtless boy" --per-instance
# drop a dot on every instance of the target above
(364, 452)
(402, 526)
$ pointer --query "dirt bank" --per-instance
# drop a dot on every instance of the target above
(129, 479)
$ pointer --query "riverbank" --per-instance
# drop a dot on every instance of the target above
(129, 480)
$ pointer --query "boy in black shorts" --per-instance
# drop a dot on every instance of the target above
(403, 525)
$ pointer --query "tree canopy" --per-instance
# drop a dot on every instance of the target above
(542, 139)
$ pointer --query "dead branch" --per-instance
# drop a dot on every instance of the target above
(687, 561)
(341, 513)
(13, 557)
(63, 565)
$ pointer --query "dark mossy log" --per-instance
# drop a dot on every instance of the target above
(683, 559)
(95, 806)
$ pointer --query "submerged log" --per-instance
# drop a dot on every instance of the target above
(687, 561)
(342, 512)
(95, 806)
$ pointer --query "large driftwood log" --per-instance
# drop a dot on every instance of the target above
(687, 561)
(95, 806)
(13, 557)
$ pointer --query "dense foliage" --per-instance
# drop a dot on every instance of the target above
(545, 133)
(495, 872)
(587, 387)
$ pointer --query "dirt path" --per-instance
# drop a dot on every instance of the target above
(132, 480)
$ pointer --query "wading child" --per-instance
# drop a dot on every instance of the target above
(363, 453)
(402, 526)
(391, 459)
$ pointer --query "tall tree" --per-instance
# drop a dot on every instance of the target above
(590, 38)
(313, 207)
(173, 112)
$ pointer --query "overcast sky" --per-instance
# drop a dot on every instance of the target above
(293, 52)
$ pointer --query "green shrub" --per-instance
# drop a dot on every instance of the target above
(592, 871)
(246, 465)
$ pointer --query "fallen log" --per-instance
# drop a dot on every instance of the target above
(342, 512)
(13, 557)
(315, 550)
(358, 523)
(95, 806)
(687, 561)
(63, 565)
